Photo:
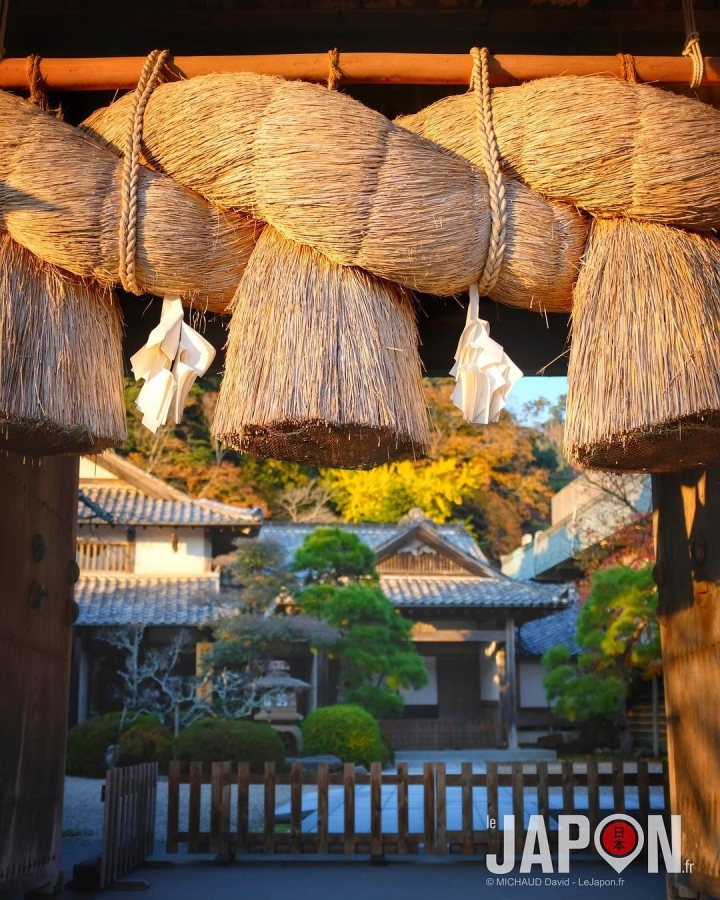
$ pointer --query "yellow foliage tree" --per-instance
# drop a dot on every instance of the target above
(388, 492)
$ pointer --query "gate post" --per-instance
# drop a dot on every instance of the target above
(686, 521)
(37, 576)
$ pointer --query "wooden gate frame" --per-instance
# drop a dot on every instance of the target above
(130, 797)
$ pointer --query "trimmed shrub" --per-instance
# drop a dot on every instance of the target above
(345, 731)
(380, 702)
(145, 742)
(88, 742)
(217, 740)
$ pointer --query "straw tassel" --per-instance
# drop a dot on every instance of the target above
(322, 363)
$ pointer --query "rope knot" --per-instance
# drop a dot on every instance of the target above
(480, 84)
(149, 78)
(335, 73)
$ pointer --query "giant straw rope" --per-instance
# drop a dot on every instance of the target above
(494, 187)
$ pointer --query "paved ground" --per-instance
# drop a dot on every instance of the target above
(411, 880)
(455, 757)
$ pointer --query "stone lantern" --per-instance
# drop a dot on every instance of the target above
(280, 700)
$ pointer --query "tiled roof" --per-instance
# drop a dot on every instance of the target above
(537, 637)
(135, 477)
(126, 506)
(147, 600)
(120, 599)
(291, 535)
(458, 591)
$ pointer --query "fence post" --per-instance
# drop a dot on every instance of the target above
(243, 806)
(349, 807)
(322, 807)
(269, 810)
(429, 806)
(194, 807)
(618, 781)
(542, 794)
(296, 807)
(492, 806)
(467, 809)
(402, 808)
(518, 805)
(441, 807)
(568, 787)
(593, 780)
(643, 786)
(171, 841)
(220, 809)
(108, 829)
(376, 847)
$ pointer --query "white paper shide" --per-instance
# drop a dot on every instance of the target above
(483, 372)
(174, 356)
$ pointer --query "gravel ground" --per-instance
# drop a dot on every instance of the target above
(83, 810)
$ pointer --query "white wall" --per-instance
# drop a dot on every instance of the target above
(428, 695)
(91, 469)
(154, 554)
(489, 678)
(532, 692)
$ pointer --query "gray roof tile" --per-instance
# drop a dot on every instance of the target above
(458, 591)
(539, 636)
(290, 535)
(148, 600)
(127, 506)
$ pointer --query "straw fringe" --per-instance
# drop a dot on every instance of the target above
(644, 370)
(610, 147)
(322, 363)
(61, 366)
(383, 199)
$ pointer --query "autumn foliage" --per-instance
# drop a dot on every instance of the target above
(497, 479)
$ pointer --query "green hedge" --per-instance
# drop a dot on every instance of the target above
(345, 731)
(88, 742)
(145, 742)
(217, 740)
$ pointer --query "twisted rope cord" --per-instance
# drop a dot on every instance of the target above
(628, 72)
(149, 78)
(335, 73)
(692, 44)
(491, 163)
(38, 91)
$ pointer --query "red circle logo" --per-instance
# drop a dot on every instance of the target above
(619, 838)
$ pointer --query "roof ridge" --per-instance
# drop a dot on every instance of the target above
(140, 576)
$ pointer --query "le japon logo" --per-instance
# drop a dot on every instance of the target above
(618, 838)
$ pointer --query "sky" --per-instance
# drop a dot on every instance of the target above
(533, 387)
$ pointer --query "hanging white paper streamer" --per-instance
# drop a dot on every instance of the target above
(483, 372)
(174, 356)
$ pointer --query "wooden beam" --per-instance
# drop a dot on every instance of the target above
(424, 633)
(122, 72)
(687, 572)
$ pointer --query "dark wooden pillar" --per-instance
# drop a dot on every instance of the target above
(687, 571)
(37, 574)
(511, 680)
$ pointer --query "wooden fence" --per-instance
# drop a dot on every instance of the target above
(129, 820)
(446, 808)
